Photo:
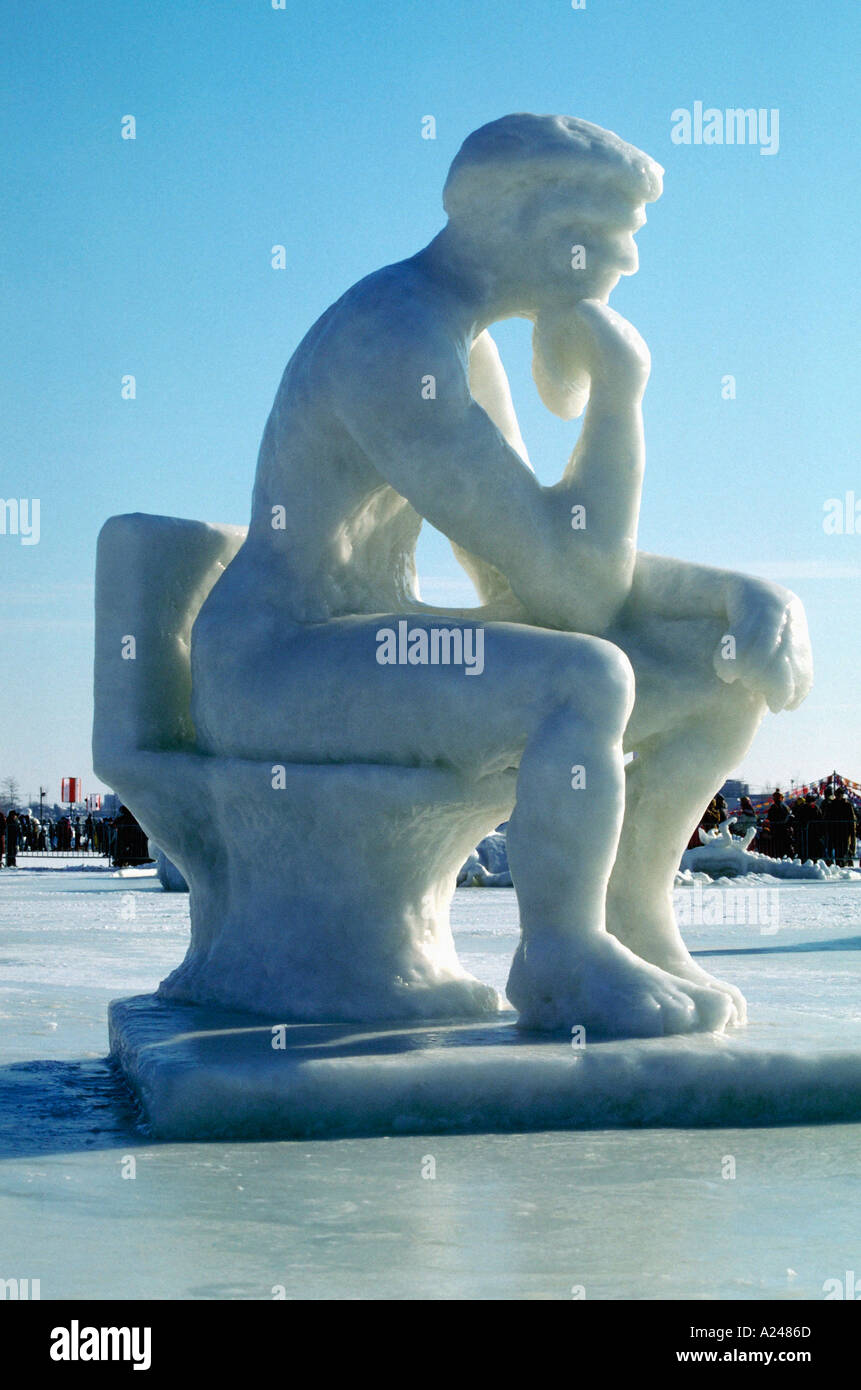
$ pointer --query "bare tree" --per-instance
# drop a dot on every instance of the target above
(10, 792)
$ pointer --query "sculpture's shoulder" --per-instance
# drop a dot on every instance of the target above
(391, 314)
(359, 364)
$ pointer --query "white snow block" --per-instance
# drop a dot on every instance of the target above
(168, 874)
(318, 891)
(204, 1074)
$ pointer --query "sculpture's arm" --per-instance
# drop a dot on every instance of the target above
(770, 647)
(412, 414)
(604, 475)
(598, 498)
(489, 386)
(410, 410)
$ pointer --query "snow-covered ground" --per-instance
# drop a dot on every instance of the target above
(624, 1214)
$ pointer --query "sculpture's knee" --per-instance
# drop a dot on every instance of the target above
(597, 680)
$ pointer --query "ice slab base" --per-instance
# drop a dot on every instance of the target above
(203, 1073)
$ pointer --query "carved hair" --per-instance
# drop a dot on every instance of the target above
(523, 156)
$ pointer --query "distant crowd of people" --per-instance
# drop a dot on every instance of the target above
(817, 825)
(119, 837)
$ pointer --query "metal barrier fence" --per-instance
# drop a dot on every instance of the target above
(831, 840)
(124, 845)
(85, 852)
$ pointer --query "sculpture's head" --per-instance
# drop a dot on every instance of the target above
(549, 206)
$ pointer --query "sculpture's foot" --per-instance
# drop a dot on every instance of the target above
(687, 969)
(559, 983)
(657, 940)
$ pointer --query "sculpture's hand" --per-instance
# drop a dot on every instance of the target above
(612, 352)
(770, 648)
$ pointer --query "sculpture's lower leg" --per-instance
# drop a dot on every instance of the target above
(562, 839)
(671, 780)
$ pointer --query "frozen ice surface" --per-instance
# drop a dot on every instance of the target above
(625, 1213)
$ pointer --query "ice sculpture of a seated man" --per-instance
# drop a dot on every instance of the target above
(396, 407)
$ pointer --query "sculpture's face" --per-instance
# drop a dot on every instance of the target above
(570, 264)
(610, 252)
(569, 248)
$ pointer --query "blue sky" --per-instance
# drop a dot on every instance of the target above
(302, 126)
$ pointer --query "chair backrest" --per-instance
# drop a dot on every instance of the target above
(152, 576)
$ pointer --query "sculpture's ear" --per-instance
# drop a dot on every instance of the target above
(152, 576)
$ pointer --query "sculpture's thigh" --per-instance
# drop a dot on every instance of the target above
(677, 688)
(321, 693)
(675, 679)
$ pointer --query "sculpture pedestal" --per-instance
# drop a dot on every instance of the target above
(208, 1074)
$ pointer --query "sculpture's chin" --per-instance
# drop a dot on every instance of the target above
(562, 383)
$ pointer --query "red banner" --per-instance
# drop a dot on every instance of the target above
(71, 790)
